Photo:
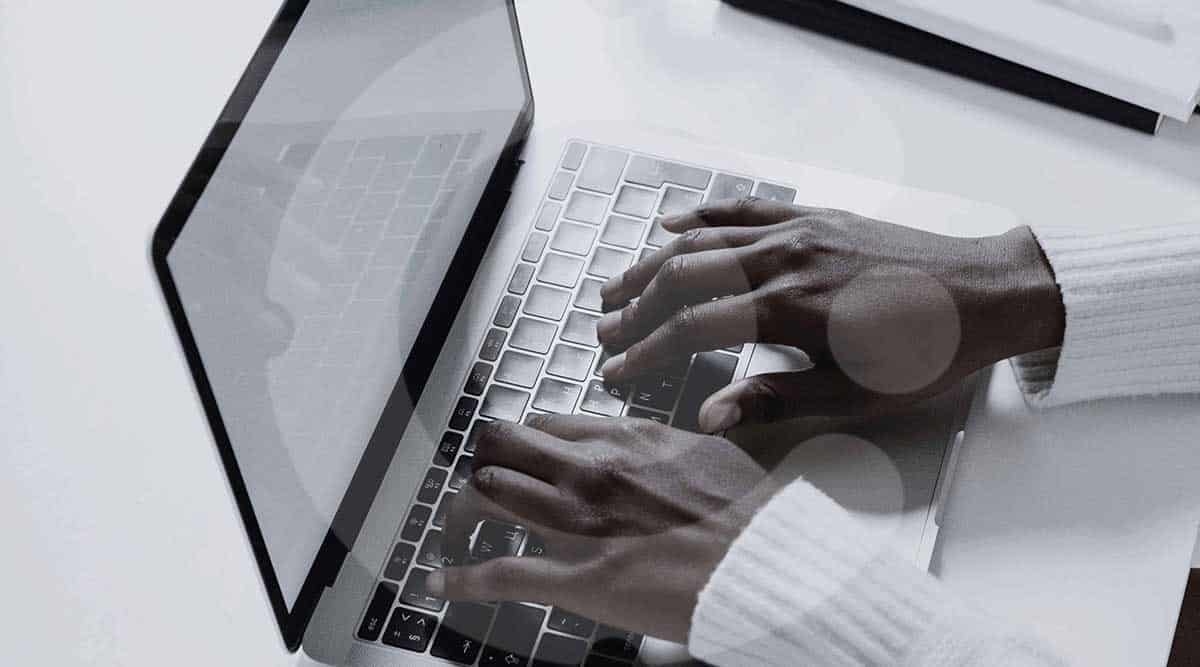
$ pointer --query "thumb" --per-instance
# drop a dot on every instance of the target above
(825, 392)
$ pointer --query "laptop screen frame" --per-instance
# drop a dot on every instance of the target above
(368, 476)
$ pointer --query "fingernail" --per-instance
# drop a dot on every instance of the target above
(720, 417)
(608, 325)
(607, 289)
(435, 584)
(669, 221)
(613, 366)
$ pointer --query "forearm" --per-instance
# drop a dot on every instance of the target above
(804, 585)
(1131, 316)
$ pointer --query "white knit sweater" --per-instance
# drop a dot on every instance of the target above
(804, 585)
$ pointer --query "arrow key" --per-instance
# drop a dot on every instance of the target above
(463, 631)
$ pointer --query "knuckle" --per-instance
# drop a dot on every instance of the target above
(683, 321)
(485, 480)
(747, 204)
(690, 240)
(673, 271)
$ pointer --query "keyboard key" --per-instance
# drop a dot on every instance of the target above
(730, 187)
(463, 413)
(581, 328)
(570, 623)
(548, 216)
(507, 312)
(677, 200)
(607, 262)
(560, 270)
(477, 379)
(470, 145)
(513, 636)
(710, 372)
(461, 473)
(377, 611)
(415, 593)
(447, 448)
(431, 554)
(602, 169)
(635, 201)
(533, 335)
(391, 177)
(548, 302)
(658, 391)
(637, 413)
(586, 207)
(504, 403)
(391, 149)
(573, 157)
(534, 247)
(431, 486)
(623, 232)
(604, 355)
(437, 155)
(736, 349)
(463, 630)
(519, 368)
(410, 630)
(603, 400)
(775, 193)
(558, 651)
(617, 643)
(556, 396)
(473, 437)
(535, 546)
(421, 191)
(573, 238)
(497, 539)
(654, 173)
(658, 236)
(644, 253)
(443, 510)
(397, 565)
(492, 344)
(521, 278)
(588, 297)
(570, 362)
(414, 525)
(561, 185)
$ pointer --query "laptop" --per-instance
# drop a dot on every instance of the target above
(375, 252)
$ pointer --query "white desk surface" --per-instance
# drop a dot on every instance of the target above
(122, 545)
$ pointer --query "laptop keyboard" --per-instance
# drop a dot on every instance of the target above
(541, 355)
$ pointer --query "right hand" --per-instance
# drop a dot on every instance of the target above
(889, 315)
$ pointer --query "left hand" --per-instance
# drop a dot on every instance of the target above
(635, 516)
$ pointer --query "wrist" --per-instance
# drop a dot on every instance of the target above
(1024, 308)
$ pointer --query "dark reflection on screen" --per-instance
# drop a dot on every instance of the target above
(309, 263)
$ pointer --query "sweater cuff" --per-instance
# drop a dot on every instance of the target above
(804, 584)
(1132, 316)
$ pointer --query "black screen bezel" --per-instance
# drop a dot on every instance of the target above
(368, 476)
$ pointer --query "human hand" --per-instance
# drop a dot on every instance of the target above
(635, 516)
(889, 315)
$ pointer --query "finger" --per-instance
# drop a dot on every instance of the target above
(744, 212)
(519, 448)
(683, 280)
(527, 579)
(469, 508)
(826, 392)
(706, 326)
(619, 289)
(582, 427)
(530, 501)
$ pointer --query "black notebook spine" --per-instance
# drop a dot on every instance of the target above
(863, 28)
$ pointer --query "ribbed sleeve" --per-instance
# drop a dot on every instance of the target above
(1132, 304)
(805, 585)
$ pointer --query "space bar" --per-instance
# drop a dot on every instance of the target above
(710, 372)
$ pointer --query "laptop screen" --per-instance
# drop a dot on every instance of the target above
(316, 247)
